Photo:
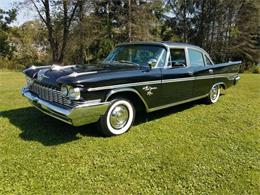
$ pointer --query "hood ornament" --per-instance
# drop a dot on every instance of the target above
(41, 74)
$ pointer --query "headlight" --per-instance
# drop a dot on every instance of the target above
(29, 81)
(74, 93)
(64, 91)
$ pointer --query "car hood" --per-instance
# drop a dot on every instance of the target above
(75, 74)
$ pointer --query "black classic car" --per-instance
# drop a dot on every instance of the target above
(135, 76)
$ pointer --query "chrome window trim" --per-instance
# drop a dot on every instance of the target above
(205, 60)
(187, 57)
(187, 54)
(159, 59)
(169, 55)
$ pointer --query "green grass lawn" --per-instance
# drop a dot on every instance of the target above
(192, 148)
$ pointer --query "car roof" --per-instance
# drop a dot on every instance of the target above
(165, 44)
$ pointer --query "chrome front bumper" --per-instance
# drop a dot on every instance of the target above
(86, 113)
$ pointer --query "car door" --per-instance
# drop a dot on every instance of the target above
(203, 72)
(177, 78)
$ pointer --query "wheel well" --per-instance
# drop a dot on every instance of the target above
(222, 85)
(131, 96)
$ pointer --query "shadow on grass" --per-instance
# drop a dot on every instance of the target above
(36, 126)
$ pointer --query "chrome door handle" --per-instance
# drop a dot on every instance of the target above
(211, 71)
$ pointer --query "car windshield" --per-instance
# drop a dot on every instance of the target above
(136, 54)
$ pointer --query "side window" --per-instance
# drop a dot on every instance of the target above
(178, 58)
(208, 62)
(196, 58)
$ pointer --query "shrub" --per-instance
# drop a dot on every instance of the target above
(256, 69)
(8, 64)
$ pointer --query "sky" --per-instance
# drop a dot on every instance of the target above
(23, 14)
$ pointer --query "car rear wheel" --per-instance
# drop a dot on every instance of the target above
(214, 94)
(119, 118)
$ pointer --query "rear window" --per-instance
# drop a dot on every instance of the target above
(196, 58)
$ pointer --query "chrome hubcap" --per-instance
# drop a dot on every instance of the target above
(119, 117)
(214, 93)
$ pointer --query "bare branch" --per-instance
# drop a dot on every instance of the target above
(73, 14)
(38, 11)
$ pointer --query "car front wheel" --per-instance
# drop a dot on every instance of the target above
(118, 119)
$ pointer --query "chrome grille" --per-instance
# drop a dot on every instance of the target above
(49, 93)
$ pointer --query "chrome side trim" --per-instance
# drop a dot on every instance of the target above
(205, 77)
(176, 103)
(160, 81)
(226, 75)
(125, 85)
(75, 74)
(127, 90)
(178, 80)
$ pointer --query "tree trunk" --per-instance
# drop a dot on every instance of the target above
(57, 48)
(129, 21)
(185, 21)
(81, 36)
(202, 18)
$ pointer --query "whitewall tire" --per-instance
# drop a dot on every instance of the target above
(214, 94)
(119, 118)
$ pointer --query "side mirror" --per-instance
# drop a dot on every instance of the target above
(152, 63)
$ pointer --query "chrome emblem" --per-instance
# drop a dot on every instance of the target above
(149, 89)
(41, 75)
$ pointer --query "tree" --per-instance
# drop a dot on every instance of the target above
(245, 35)
(145, 20)
(226, 29)
(6, 18)
(178, 20)
(57, 16)
(115, 21)
(31, 43)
